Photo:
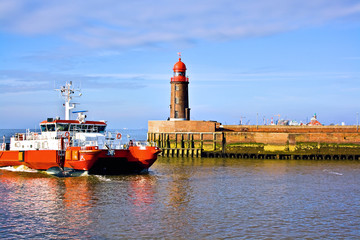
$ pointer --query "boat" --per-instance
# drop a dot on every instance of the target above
(65, 146)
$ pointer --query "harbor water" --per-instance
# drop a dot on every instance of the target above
(185, 198)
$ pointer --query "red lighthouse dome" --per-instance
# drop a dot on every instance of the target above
(179, 66)
(179, 72)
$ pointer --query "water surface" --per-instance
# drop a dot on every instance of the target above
(184, 198)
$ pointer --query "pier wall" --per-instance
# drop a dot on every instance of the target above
(207, 138)
(182, 126)
(292, 134)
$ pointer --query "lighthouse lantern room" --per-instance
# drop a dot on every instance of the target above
(179, 101)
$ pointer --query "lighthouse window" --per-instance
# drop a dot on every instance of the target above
(176, 100)
(179, 73)
(176, 87)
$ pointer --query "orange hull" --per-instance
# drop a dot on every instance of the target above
(40, 160)
(134, 159)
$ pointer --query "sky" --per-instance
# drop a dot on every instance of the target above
(249, 60)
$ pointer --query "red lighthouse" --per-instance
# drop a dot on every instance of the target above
(179, 102)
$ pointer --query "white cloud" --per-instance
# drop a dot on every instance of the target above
(110, 23)
(16, 81)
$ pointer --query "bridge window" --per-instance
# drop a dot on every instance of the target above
(74, 127)
(87, 128)
(101, 129)
(92, 128)
(62, 127)
(47, 127)
(84, 128)
(50, 127)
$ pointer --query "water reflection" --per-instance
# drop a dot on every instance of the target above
(35, 203)
(77, 201)
(178, 202)
(141, 191)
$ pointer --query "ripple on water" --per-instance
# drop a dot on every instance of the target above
(187, 199)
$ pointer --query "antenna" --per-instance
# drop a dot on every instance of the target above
(67, 92)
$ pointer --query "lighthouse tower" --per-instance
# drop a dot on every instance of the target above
(179, 100)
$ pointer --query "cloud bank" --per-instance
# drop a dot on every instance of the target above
(114, 23)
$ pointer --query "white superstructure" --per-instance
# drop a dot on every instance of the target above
(57, 134)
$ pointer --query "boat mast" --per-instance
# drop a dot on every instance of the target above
(67, 92)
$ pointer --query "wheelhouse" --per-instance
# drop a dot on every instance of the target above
(72, 126)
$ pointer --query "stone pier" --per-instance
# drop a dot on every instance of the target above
(211, 139)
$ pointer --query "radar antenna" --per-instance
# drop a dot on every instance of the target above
(67, 92)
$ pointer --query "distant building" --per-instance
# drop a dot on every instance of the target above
(283, 122)
(294, 123)
(314, 121)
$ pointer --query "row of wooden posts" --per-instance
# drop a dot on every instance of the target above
(213, 145)
(187, 144)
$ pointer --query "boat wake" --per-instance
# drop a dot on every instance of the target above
(58, 172)
(20, 168)
(102, 178)
(55, 171)
(331, 172)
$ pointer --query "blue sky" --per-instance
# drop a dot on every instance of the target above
(244, 59)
